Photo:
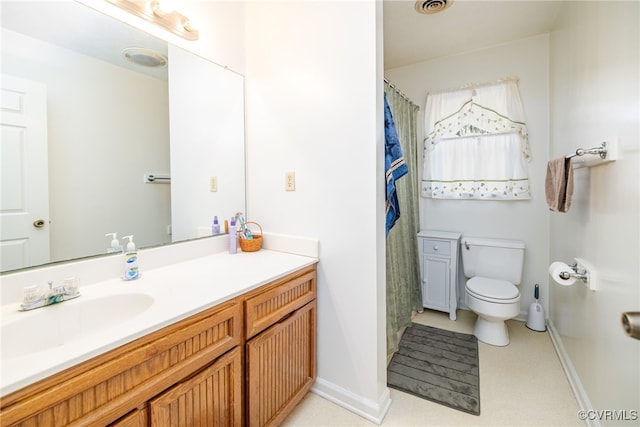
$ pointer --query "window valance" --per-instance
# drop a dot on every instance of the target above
(476, 144)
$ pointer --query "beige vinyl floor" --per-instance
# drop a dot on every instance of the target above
(522, 384)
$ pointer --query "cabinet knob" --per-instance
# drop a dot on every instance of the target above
(435, 247)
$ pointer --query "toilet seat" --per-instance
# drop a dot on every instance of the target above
(493, 290)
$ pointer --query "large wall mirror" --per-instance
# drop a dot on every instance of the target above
(88, 126)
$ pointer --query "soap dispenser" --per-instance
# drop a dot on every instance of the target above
(115, 244)
(131, 270)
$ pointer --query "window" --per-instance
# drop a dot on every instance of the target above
(476, 144)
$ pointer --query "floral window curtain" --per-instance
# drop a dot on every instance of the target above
(476, 144)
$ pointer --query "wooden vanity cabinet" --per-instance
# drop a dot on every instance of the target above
(135, 418)
(280, 364)
(209, 369)
(211, 397)
(103, 390)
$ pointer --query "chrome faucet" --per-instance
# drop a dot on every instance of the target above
(33, 298)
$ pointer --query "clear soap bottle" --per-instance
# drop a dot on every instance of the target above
(131, 270)
(115, 247)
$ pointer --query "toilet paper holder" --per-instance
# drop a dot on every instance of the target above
(583, 271)
(579, 272)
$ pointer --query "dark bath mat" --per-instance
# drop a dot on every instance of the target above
(438, 365)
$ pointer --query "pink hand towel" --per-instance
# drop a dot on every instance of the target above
(558, 185)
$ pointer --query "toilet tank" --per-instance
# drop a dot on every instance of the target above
(492, 258)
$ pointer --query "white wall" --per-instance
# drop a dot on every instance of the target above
(207, 141)
(521, 220)
(314, 91)
(96, 165)
(595, 93)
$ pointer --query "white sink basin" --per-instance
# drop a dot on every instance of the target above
(57, 324)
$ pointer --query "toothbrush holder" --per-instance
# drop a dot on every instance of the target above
(251, 245)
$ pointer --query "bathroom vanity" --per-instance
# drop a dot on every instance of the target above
(438, 251)
(246, 357)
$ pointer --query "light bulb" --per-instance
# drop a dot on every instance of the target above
(163, 7)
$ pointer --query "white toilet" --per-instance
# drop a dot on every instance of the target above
(493, 268)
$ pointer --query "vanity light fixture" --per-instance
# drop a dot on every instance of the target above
(159, 13)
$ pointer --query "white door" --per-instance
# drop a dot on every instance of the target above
(24, 182)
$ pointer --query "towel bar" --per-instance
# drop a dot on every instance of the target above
(601, 151)
(157, 178)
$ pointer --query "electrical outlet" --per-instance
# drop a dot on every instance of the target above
(290, 181)
(213, 184)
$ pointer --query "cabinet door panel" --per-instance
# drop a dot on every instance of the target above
(212, 397)
(436, 285)
(136, 418)
(281, 367)
(270, 306)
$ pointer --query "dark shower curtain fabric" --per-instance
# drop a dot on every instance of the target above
(394, 164)
(404, 294)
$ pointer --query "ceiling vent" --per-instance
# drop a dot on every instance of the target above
(144, 57)
(429, 7)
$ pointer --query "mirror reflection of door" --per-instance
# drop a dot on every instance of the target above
(24, 195)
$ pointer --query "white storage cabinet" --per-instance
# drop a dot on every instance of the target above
(439, 270)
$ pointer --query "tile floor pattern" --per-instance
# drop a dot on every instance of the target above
(522, 384)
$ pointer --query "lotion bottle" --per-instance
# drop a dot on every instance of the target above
(215, 227)
(115, 244)
(233, 237)
(131, 270)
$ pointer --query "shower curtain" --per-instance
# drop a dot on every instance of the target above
(404, 294)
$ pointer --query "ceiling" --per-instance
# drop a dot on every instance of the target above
(411, 37)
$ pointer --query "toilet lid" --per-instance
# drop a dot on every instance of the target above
(492, 288)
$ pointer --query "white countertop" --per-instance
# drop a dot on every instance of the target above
(179, 291)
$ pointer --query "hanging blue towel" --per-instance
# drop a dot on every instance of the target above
(394, 164)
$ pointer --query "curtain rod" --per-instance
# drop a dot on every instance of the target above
(399, 92)
(476, 85)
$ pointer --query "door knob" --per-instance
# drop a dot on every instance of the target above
(631, 324)
(39, 223)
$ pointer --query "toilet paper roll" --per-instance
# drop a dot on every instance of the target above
(558, 267)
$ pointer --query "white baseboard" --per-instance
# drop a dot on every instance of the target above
(372, 411)
(574, 380)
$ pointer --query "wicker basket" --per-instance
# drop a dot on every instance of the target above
(252, 245)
